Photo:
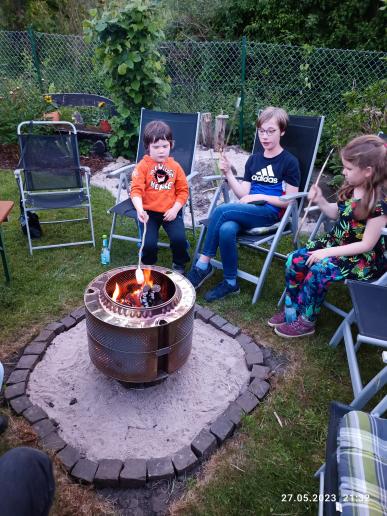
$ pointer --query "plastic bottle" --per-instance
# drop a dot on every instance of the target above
(105, 252)
(290, 311)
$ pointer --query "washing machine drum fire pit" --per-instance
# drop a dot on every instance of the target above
(139, 333)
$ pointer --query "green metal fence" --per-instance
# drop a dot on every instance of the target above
(206, 76)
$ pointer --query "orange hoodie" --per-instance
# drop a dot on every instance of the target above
(159, 185)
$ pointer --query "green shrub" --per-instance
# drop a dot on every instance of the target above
(365, 113)
(126, 38)
(19, 104)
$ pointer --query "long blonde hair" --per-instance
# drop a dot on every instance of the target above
(366, 151)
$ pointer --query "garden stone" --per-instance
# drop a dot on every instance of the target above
(247, 401)
(84, 470)
(261, 372)
(204, 314)
(27, 362)
(108, 473)
(218, 322)
(231, 330)
(45, 336)
(34, 414)
(56, 327)
(160, 468)
(134, 473)
(43, 427)
(17, 376)
(222, 428)
(14, 391)
(204, 444)
(20, 404)
(52, 442)
(69, 457)
(254, 358)
(184, 460)
(68, 322)
(35, 348)
(234, 413)
(259, 388)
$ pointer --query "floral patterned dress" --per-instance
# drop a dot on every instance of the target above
(348, 230)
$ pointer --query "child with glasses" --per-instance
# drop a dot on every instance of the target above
(268, 176)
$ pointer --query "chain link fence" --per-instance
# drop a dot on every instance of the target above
(205, 76)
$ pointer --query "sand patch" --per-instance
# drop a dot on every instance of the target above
(104, 419)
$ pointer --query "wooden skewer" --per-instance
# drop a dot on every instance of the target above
(311, 200)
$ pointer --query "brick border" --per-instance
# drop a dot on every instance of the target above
(136, 472)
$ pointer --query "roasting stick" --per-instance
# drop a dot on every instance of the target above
(311, 200)
(139, 274)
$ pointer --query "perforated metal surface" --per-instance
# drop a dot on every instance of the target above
(139, 344)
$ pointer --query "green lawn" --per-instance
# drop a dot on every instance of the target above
(264, 460)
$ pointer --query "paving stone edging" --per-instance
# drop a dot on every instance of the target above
(135, 472)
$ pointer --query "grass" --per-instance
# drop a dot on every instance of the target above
(264, 460)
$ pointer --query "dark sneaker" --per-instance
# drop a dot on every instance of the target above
(277, 319)
(178, 268)
(299, 328)
(197, 276)
(220, 291)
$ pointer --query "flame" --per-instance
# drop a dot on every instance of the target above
(116, 292)
(148, 277)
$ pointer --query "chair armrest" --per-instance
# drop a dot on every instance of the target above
(292, 197)
(17, 172)
(121, 170)
(213, 178)
(192, 175)
(86, 170)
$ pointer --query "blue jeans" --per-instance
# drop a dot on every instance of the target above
(225, 223)
(27, 483)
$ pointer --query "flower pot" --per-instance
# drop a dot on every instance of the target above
(54, 116)
(105, 126)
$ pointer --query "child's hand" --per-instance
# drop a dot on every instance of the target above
(142, 216)
(315, 194)
(224, 165)
(317, 256)
(170, 214)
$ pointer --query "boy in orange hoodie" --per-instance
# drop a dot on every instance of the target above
(159, 191)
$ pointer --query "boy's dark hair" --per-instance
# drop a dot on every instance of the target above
(155, 131)
(279, 115)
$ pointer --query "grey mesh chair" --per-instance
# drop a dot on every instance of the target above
(302, 139)
(185, 132)
(51, 177)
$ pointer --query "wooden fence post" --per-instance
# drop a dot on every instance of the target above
(206, 129)
(220, 131)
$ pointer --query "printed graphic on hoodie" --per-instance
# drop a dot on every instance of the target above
(161, 175)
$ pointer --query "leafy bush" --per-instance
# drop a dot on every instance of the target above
(365, 113)
(21, 103)
(127, 37)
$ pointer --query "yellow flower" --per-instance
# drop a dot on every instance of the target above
(48, 99)
(101, 104)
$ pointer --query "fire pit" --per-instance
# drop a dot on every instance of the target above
(139, 333)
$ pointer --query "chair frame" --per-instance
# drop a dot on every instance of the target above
(124, 176)
(290, 217)
(348, 317)
(25, 194)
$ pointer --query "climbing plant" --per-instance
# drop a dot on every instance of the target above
(126, 35)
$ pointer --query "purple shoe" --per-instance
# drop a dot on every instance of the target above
(299, 328)
(277, 319)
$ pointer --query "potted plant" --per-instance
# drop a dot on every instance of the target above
(51, 109)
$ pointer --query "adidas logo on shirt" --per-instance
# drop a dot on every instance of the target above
(265, 175)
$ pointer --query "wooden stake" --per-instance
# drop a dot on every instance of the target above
(206, 129)
(311, 200)
(220, 132)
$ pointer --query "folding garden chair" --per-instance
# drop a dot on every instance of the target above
(348, 317)
(51, 177)
(301, 138)
(369, 302)
(185, 131)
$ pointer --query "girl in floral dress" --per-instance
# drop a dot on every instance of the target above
(353, 249)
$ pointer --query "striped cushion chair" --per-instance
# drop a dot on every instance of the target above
(362, 464)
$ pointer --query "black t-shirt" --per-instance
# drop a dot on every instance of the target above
(269, 175)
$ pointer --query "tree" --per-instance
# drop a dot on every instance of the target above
(127, 35)
(353, 24)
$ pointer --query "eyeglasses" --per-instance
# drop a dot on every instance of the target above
(268, 132)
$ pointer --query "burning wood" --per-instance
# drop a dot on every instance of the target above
(146, 296)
